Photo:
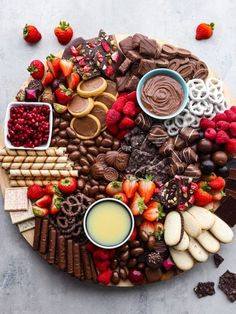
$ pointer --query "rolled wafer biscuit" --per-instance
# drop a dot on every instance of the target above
(52, 246)
(43, 173)
(23, 182)
(70, 260)
(37, 166)
(86, 263)
(44, 237)
(61, 244)
(51, 151)
(77, 260)
(37, 232)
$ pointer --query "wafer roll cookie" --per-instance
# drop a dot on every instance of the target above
(7, 158)
(37, 166)
(22, 183)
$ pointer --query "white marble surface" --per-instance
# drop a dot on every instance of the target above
(27, 283)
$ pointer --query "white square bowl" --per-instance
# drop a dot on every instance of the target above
(7, 117)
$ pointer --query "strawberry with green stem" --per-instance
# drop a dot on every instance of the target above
(146, 188)
(130, 186)
(137, 205)
(36, 69)
(53, 64)
(63, 94)
(114, 187)
(63, 32)
(154, 211)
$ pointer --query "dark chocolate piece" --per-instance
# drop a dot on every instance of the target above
(136, 40)
(44, 237)
(143, 121)
(70, 257)
(227, 210)
(183, 52)
(161, 248)
(167, 147)
(52, 246)
(146, 65)
(153, 260)
(77, 260)
(218, 259)
(126, 44)
(148, 47)
(37, 232)
(204, 289)
(179, 142)
(125, 65)
(61, 244)
(86, 263)
(188, 155)
(189, 134)
(227, 284)
(153, 275)
(157, 135)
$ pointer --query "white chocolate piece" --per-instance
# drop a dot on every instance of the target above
(15, 199)
(26, 225)
(197, 251)
(203, 216)
(20, 216)
(172, 228)
(182, 259)
(208, 242)
(222, 231)
(191, 226)
(183, 244)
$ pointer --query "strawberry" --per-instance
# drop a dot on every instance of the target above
(36, 69)
(102, 265)
(59, 108)
(55, 205)
(66, 67)
(48, 78)
(153, 212)
(122, 197)
(217, 184)
(130, 186)
(114, 187)
(129, 109)
(35, 192)
(73, 80)
(146, 188)
(63, 32)
(67, 185)
(105, 277)
(231, 146)
(101, 254)
(126, 123)
(44, 201)
(112, 117)
(133, 234)
(158, 229)
(53, 64)
(63, 94)
(218, 196)
(31, 34)
(52, 189)
(202, 197)
(148, 227)
(137, 205)
(39, 211)
(204, 31)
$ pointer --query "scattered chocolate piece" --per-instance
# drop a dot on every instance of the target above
(136, 40)
(218, 259)
(132, 83)
(126, 44)
(193, 171)
(227, 210)
(148, 47)
(157, 135)
(227, 284)
(133, 55)
(204, 289)
(153, 275)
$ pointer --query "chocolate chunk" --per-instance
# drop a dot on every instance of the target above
(146, 65)
(227, 210)
(126, 44)
(52, 246)
(154, 260)
(136, 40)
(148, 47)
(157, 135)
(125, 65)
(121, 82)
(193, 171)
(132, 83)
(152, 275)
(133, 55)
(230, 184)
(44, 236)
(227, 284)
(37, 232)
(232, 173)
(179, 143)
(143, 121)
(70, 257)
(189, 134)
(188, 155)
(204, 289)
(218, 259)
(167, 147)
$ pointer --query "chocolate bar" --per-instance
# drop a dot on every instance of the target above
(52, 246)
(146, 65)
(148, 47)
(86, 263)
(93, 269)
(227, 210)
(125, 65)
(70, 260)
(133, 55)
(136, 40)
(37, 232)
(126, 44)
(61, 244)
(77, 260)
(44, 237)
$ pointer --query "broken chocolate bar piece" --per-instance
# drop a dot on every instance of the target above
(133, 55)
(204, 289)
(227, 210)
(227, 284)
(126, 44)
(218, 259)
(136, 40)
(121, 82)
(148, 47)
(132, 83)
(125, 65)
(146, 65)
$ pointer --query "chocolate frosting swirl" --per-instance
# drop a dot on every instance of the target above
(162, 95)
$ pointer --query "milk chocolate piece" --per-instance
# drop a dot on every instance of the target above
(146, 65)
(143, 121)
(61, 244)
(133, 55)
(218, 259)
(193, 171)
(125, 65)
(148, 47)
(132, 83)
(189, 134)
(157, 135)
(174, 64)
(162, 62)
(169, 50)
(93, 269)
(52, 246)
(152, 275)
(126, 44)
(167, 147)
(121, 161)
(86, 263)
(37, 232)
(70, 257)
(188, 155)
(227, 284)
(227, 210)
(136, 40)
(121, 82)
(204, 289)
(185, 70)
(77, 260)
(179, 143)
(44, 236)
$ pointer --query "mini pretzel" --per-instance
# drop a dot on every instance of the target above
(197, 89)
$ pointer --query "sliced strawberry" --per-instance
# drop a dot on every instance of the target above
(73, 80)
(44, 201)
(122, 197)
(114, 187)
(55, 205)
(66, 67)
(153, 212)
(39, 212)
(130, 186)
(48, 78)
(146, 188)
(53, 64)
(148, 227)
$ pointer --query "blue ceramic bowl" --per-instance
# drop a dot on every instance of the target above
(172, 74)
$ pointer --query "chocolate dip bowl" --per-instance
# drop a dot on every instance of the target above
(162, 94)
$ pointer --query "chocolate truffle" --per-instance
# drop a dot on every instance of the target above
(204, 146)
(223, 171)
(220, 158)
(154, 259)
(207, 166)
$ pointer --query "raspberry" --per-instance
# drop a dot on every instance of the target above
(112, 116)
(105, 277)
(126, 123)
(206, 123)
(119, 104)
(220, 117)
(102, 265)
(109, 72)
(232, 128)
(231, 116)
(222, 125)
(233, 108)
(231, 146)
(132, 96)
(222, 137)
(101, 254)
(129, 109)
(210, 134)
(123, 94)
(90, 247)
(113, 129)
(122, 134)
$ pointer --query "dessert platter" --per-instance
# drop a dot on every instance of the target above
(118, 166)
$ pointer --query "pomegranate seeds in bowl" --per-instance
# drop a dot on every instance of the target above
(28, 126)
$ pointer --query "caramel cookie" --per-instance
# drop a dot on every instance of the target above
(92, 87)
(107, 99)
(99, 111)
(87, 127)
(79, 106)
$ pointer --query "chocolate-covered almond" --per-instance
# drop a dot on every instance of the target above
(141, 266)
(123, 273)
(93, 150)
(132, 263)
(89, 143)
(116, 144)
(137, 251)
(94, 190)
(114, 263)
(71, 133)
(102, 188)
(53, 142)
(143, 235)
(125, 256)
(86, 190)
(83, 161)
(55, 131)
(56, 122)
(62, 142)
(115, 278)
(107, 142)
(135, 243)
(103, 149)
(71, 148)
(107, 135)
(75, 141)
(124, 248)
(66, 116)
(82, 176)
(99, 196)
(94, 182)
(83, 150)
(90, 158)
(80, 183)
(74, 156)
(85, 170)
(99, 140)
(151, 242)
(63, 134)
(78, 168)
(63, 125)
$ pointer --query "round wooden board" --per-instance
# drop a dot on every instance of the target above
(29, 235)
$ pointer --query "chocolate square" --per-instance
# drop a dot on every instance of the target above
(121, 82)
(132, 83)
(133, 55)
(136, 40)
(125, 65)
(148, 47)
(146, 65)
(227, 210)
(126, 44)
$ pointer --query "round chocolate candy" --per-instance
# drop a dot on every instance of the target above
(207, 166)
(204, 146)
(223, 171)
(154, 259)
(220, 158)
(203, 157)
